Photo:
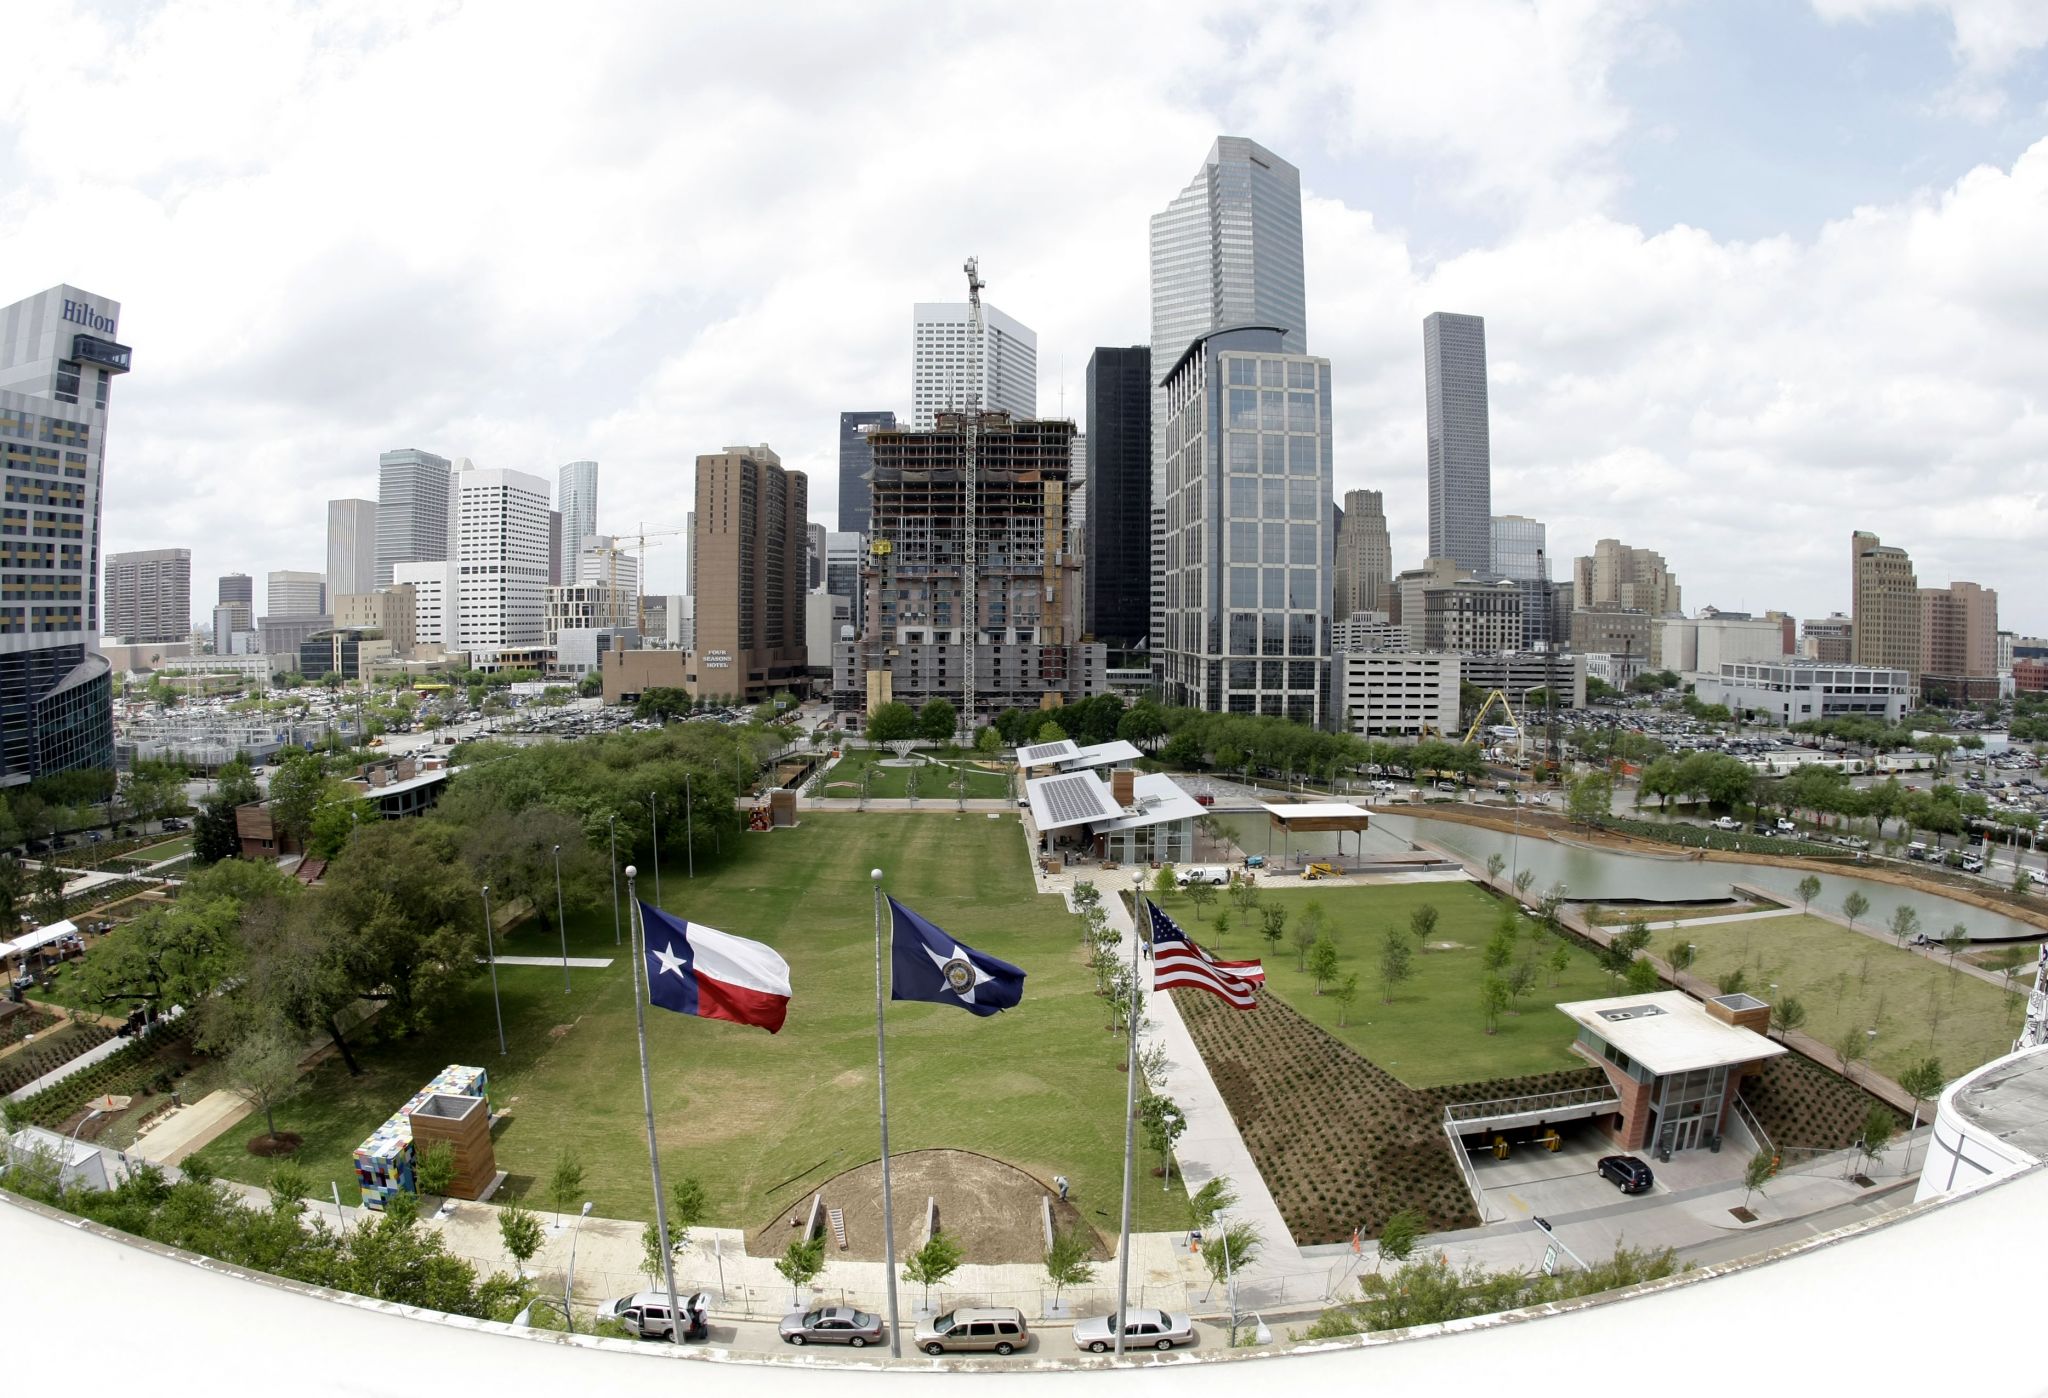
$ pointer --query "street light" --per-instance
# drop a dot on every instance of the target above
(654, 824)
(561, 925)
(491, 952)
(569, 1283)
(613, 821)
(689, 832)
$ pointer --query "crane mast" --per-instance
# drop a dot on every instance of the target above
(970, 431)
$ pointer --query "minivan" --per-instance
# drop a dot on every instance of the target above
(645, 1314)
(998, 1328)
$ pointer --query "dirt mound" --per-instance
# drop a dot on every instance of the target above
(990, 1208)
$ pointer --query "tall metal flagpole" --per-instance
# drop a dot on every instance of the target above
(654, 819)
(1123, 1247)
(491, 953)
(668, 1260)
(882, 1084)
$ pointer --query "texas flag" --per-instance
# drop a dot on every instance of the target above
(698, 970)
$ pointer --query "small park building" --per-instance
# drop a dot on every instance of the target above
(1675, 1064)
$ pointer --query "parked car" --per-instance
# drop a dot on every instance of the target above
(645, 1314)
(1972, 864)
(173, 823)
(1631, 1175)
(1727, 823)
(832, 1325)
(1142, 1330)
(998, 1328)
(1786, 827)
(1202, 873)
(1762, 827)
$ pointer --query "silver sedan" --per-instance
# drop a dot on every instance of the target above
(832, 1325)
(1145, 1330)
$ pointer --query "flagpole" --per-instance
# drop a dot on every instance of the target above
(1123, 1247)
(882, 1083)
(668, 1263)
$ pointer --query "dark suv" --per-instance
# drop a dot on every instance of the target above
(1631, 1175)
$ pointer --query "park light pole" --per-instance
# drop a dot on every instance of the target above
(689, 833)
(491, 952)
(569, 1283)
(561, 925)
(613, 821)
(654, 819)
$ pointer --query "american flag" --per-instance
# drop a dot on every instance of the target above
(1176, 960)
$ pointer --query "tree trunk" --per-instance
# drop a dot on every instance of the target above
(270, 1119)
(341, 1044)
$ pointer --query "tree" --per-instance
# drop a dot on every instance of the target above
(1067, 1262)
(937, 720)
(434, 1171)
(1346, 992)
(1493, 1001)
(1589, 797)
(1229, 1251)
(1920, 1082)
(1499, 949)
(2021, 881)
(402, 917)
(340, 811)
(1201, 895)
(1214, 1198)
(1523, 881)
(1855, 906)
(1879, 1126)
(1641, 977)
(1762, 1166)
(1560, 962)
(988, 742)
(1163, 1122)
(1322, 961)
(46, 892)
(565, 1183)
(1787, 1015)
(1399, 1235)
(891, 723)
(296, 788)
(800, 1264)
(1164, 883)
(931, 1264)
(1809, 889)
(1397, 964)
(520, 1232)
(289, 1184)
(1495, 862)
(1850, 1045)
(1955, 942)
(264, 1070)
(1682, 955)
(1050, 732)
(1308, 929)
(1904, 923)
(1274, 920)
(1422, 921)
(2008, 960)
(1245, 894)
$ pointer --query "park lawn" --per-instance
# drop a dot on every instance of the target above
(1434, 1033)
(169, 849)
(1852, 982)
(934, 782)
(763, 1120)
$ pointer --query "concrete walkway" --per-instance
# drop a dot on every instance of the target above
(190, 1128)
(579, 963)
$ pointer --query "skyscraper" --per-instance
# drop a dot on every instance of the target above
(1886, 610)
(290, 593)
(814, 556)
(149, 596)
(351, 547)
(501, 560)
(1225, 252)
(58, 358)
(750, 620)
(1248, 547)
(1618, 575)
(412, 510)
(1959, 640)
(1460, 461)
(576, 498)
(1116, 530)
(1521, 555)
(946, 367)
(1362, 572)
(855, 460)
(238, 593)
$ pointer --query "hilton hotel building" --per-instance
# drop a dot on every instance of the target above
(59, 353)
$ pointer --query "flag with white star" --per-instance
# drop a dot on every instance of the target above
(928, 964)
(698, 970)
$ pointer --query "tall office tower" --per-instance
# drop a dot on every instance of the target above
(1027, 610)
(58, 358)
(237, 591)
(501, 559)
(1362, 572)
(1521, 556)
(1116, 549)
(289, 593)
(603, 560)
(351, 547)
(1616, 575)
(1885, 610)
(1248, 542)
(1460, 460)
(947, 367)
(854, 463)
(434, 622)
(814, 556)
(149, 596)
(576, 498)
(1225, 252)
(224, 629)
(1830, 638)
(1959, 641)
(558, 561)
(412, 510)
(750, 548)
(690, 552)
(845, 553)
(1077, 497)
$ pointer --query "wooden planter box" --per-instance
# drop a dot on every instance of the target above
(465, 1124)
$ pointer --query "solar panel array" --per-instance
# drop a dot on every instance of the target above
(1073, 799)
(1045, 752)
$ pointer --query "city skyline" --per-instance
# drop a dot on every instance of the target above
(1755, 316)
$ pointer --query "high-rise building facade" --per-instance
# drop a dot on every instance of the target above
(1959, 641)
(1460, 456)
(854, 463)
(149, 596)
(1362, 571)
(351, 547)
(290, 593)
(58, 359)
(1027, 612)
(412, 510)
(1831, 638)
(1226, 251)
(1116, 530)
(434, 621)
(749, 552)
(814, 557)
(392, 613)
(501, 559)
(1519, 551)
(845, 554)
(576, 499)
(1633, 579)
(1885, 607)
(947, 366)
(1247, 623)
(238, 591)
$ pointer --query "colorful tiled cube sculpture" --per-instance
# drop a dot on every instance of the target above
(384, 1162)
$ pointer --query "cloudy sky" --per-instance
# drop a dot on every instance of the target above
(1755, 272)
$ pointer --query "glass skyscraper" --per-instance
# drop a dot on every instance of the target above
(576, 498)
(1460, 461)
(412, 510)
(855, 461)
(1116, 533)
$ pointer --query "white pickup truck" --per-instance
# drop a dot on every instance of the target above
(1202, 873)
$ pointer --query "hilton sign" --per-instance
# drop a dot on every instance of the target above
(78, 313)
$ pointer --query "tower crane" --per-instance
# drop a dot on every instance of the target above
(641, 540)
(970, 432)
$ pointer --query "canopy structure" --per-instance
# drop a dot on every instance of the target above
(1319, 817)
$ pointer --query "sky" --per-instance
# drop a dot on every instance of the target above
(1755, 272)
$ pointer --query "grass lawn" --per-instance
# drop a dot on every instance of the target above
(1851, 982)
(934, 781)
(762, 1119)
(169, 849)
(1434, 1033)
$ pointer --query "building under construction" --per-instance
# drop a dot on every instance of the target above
(1027, 610)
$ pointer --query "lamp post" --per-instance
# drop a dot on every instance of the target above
(654, 819)
(689, 833)
(561, 925)
(613, 822)
(569, 1283)
(491, 952)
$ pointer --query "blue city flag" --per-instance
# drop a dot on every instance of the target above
(927, 964)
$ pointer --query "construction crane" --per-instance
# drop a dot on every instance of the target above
(639, 545)
(970, 432)
(1495, 696)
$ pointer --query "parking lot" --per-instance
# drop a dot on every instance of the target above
(1533, 1182)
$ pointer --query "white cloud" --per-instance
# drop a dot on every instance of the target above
(483, 232)
(1990, 36)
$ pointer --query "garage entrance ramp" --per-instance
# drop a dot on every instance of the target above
(1506, 1113)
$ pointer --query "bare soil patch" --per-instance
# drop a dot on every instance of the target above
(270, 1147)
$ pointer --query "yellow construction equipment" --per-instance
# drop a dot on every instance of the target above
(1319, 871)
(1495, 696)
